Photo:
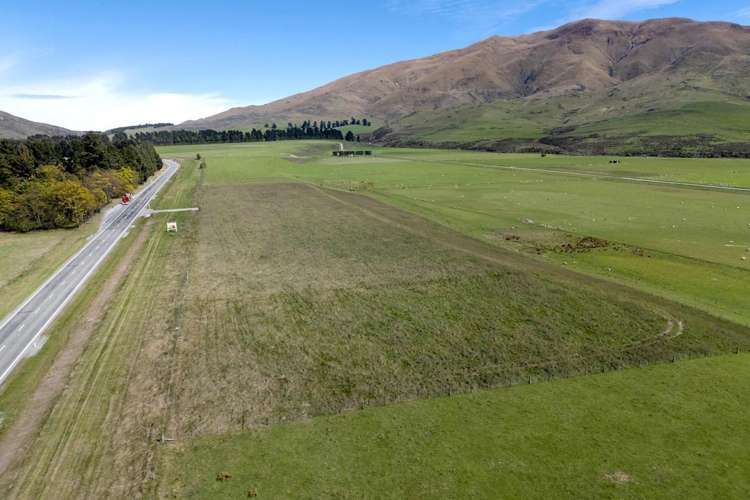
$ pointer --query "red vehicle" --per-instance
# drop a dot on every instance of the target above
(125, 199)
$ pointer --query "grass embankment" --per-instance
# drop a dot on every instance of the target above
(683, 243)
(666, 431)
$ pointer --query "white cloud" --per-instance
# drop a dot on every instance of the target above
(617, 9)
(744, 13)
(102, 102)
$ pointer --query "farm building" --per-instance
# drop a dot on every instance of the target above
(352, 153)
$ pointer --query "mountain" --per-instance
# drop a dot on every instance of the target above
(591, 85)
(13, 127)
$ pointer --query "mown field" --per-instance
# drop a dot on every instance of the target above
(303, 290)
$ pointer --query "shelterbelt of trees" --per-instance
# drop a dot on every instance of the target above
(307, 130)
(59, 182)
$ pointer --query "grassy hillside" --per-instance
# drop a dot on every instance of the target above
(14, 127)
(672, 119)
(667, 431)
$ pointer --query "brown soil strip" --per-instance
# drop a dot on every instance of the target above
(21, 434)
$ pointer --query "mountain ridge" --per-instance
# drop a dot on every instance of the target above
(510, 67)
(15, 127)
(589, 86)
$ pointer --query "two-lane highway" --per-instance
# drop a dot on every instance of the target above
(24, 326)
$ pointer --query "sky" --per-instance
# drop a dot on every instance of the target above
(94, 65)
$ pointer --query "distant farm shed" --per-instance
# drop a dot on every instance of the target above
(352, 153)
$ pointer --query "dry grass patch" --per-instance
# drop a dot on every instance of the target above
(304, 302)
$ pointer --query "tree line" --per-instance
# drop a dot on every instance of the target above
(59, 182)
(142, 125)
(306, 130)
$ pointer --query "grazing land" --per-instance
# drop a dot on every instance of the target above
(675, 431)
(678, 241)
(303, 289)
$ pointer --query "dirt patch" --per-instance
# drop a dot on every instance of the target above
(585, 244)
(618, 477)
(21, 434)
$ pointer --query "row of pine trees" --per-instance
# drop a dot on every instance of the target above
(307, 130)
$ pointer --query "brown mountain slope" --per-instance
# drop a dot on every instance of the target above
(586, 56)
(13, 127)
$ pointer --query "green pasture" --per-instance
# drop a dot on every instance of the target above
(682, 242)
(664, 431)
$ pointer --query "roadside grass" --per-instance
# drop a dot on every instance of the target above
(26, 260)
(179, 192)
(27, 375)
(101, 435)
(664, 431)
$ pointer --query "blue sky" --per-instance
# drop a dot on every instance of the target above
(94, 65)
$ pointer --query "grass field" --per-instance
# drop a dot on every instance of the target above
(667, 431)
(687, 244)
(302, 290)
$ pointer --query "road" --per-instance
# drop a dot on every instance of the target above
(21, 330)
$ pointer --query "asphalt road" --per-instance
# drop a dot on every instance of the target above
(21, 330)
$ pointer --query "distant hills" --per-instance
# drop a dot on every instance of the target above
(13, 127)
(671, 86)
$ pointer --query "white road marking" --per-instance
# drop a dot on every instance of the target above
(2, 347)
